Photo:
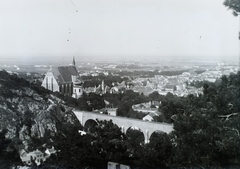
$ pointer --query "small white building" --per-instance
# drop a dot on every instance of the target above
(112, 165)
(49, 151)
(77, 87)
(148, 118)
(111, 111)
(34, 156)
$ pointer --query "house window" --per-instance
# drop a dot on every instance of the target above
(66, 88)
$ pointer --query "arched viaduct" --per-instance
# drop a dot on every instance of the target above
(148, 128)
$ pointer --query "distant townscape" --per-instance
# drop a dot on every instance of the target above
(180, 82)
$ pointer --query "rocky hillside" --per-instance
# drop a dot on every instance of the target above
(29, 112)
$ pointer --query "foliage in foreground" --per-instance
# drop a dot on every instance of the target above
(206, 135)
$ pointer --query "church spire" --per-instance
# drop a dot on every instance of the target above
(74, 64)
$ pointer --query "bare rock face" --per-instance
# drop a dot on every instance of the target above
(29, 112)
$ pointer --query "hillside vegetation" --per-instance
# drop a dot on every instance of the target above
(29, 114)
(206, 128)
(206, 134)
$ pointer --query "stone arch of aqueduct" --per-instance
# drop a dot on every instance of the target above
(148, 128)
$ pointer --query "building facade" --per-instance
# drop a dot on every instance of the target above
(65, 80)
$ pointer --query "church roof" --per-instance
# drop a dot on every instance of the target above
(64, 74)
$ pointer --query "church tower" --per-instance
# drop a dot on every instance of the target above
(74, 63)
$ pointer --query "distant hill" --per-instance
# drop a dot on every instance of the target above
(131, 66)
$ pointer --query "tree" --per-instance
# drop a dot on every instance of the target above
(103, 143)
(158, 150)
(96, 101)
(8, 153)
(155, 96)
(233, 5)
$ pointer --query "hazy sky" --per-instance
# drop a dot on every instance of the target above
(33, 30)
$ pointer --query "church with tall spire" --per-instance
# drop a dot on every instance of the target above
(65, 80)
(74, 63)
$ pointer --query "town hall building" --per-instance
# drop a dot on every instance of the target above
(65, 80)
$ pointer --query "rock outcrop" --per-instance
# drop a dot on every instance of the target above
(28, 111)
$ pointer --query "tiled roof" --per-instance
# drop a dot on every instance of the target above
(37, 152)
(64, 74)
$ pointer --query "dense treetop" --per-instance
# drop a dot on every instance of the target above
(234, 5)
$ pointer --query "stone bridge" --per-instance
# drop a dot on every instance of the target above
(146, 127)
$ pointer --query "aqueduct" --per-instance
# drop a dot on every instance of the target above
(148, 128)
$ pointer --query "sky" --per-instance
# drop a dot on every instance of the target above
(131, 30)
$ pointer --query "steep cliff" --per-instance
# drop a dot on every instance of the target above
(29, 112)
